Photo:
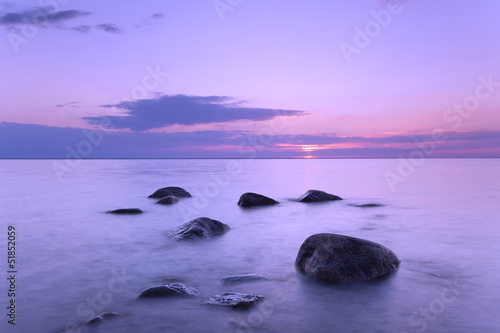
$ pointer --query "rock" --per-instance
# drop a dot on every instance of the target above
(106, 316)
(234, 300)
(168, 200)
(171, 190)
(236, 279)
(368, 205)
(124, 211)
(253, 199)
(317, 196)
(200, 228)
(338, 259)
(168, 290)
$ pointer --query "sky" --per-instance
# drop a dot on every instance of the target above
(249, 79)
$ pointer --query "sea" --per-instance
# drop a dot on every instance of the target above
(73, 261)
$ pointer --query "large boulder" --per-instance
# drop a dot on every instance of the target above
(200, 228)
(171, 190)
(338, 259)
(168, 200)
(125, 211)
(249, 199)
(236, 279)
(234, 300)
(169, 290)
(317, 196)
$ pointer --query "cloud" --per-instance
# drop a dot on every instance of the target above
(46, 17)
(71, 104)
(37, 141)
(42, 16)
(151, 20)
(108, 27)
(82, 28)
(145, 114)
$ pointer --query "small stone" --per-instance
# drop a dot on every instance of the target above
(248, 200)
(178, 192)
(200, 228)
(368, 205)
(168, 290)
(236, 279)
(104, 317)
(125, 211)
(317, 196)
(234, 300)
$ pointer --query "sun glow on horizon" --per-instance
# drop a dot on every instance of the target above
(309, 148)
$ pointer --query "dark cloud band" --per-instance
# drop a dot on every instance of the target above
(37, 141)
(145, 114)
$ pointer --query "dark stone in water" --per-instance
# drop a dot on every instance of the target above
(234, 300)
(338, 259)
(200, 228)
(235, 279)
(171, 190)
(317, 196)
(168, 290)
(124, 211)
(168, 200)
(253, 199)
(104, 317)
(368, 205)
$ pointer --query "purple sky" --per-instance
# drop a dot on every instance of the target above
(325, 78)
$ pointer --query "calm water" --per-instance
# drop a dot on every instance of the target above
(442, 222)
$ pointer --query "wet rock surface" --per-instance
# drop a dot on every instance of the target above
(178, 192)
(104, 317)
(237, 279)
(249, 199)
(200, 228)
(368, 205)
(169, 290)
(317, 196)
(234, 300)
(168, 200)
(338, 259)
(125, 211)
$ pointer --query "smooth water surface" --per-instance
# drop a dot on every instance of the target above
(74, 261)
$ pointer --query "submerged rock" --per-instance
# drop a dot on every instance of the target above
(338, 259)
(317, 196)
(168, 290)
(253, 199)
(236, 279)
(168, 200)
(171, 190)
(368, 205)
(124, 211)
(234, 300)
(200, 228)
(104, 317)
